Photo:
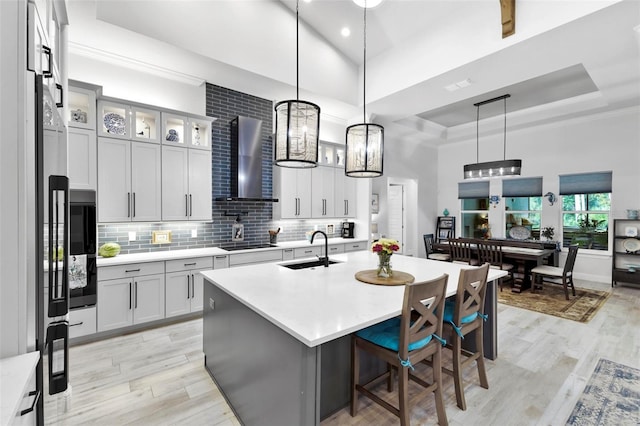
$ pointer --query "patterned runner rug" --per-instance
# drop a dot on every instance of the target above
(612, 397)
(551, 301)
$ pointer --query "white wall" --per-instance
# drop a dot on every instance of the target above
(138, 86)
(596, 143)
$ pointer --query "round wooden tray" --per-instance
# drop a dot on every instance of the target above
(398, 278)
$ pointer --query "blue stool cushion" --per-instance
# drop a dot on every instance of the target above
(449, 308)
(387, 335)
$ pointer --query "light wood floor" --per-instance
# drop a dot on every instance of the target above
(157, 377)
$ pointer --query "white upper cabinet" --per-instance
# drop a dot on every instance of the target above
(293, 187)
(82, 156)
(322, 192)
(186, 131)
(81, 111)
(145, 124)
(186, 184)
(114, 120)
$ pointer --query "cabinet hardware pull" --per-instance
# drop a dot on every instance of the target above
(33, 404)
(47, 51)
(190, 205)
(221, 257)
(188, 286)
(186, 205)
(189, 264)
(308, 251)
(78, 323)
(136, 293)
(134, 205)
(132, 270)
(193, 289)
(346, 207)
(128, 204)
(129, 295)
(61, 90)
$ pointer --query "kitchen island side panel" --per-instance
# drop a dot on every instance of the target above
(266, 375)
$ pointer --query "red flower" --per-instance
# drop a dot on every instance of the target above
(377, 248)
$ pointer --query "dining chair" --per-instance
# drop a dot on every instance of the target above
(463, 316)
(431, 254)
(556, 274)
(402, 342)
(460, 250)
(491, 252)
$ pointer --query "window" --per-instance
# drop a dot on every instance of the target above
(523, 205)
(474, 208)
(586, 205)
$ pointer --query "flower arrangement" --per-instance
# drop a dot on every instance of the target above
(385, 247)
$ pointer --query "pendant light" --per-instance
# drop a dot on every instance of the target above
(491, 169)
(365, 141)
(297, 127)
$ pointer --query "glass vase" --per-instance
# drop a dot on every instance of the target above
(384, 265)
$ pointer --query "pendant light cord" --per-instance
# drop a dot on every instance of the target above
(364, 67)
(504, 149)
(297, 55)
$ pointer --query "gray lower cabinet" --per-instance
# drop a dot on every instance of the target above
(134, 298)
(184, 285)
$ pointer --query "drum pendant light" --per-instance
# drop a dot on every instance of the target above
(365, 141)
(502, 168)
(297, 127)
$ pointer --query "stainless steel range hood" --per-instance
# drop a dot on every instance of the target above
(246, 161)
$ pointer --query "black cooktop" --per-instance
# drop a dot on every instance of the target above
(249, 247)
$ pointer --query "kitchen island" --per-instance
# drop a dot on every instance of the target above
(277, 341)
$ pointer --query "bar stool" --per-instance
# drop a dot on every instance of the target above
(402, 342)
(462, 317)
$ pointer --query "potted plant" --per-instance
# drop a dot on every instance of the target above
(548, 232)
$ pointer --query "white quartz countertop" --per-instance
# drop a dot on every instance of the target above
(157, 256)
(15, 374)
(322, 304)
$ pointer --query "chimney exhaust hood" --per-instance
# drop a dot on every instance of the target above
(246, 161)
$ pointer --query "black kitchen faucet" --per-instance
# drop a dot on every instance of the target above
(325, 259)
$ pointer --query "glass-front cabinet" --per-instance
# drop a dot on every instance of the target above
(189, 132)
(81, 111)
(114, 120)
(146, 124)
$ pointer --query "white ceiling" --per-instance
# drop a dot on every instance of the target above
(567, 58)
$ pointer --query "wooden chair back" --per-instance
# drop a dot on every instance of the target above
(571, 259)
(490, 252)
(460, 249)
(472, 288)
(422, 312)
(428, 243)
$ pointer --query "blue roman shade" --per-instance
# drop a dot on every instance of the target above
(525, 187)
(585, 183)
(479, 189)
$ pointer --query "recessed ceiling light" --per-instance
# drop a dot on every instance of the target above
(307, 1)
(346, 32)
(367, 3)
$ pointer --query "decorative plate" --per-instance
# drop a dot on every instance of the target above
(631, 245)
(631, 231)
(79, 116)
(114, 123)
(520, 233)
(173, 136)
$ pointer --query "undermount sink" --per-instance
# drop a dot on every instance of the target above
(308, 264)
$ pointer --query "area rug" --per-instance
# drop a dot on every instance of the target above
(551, 301)
(612, 397)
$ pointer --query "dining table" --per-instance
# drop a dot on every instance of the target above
(524, 255)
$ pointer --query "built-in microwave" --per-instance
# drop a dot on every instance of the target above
(83, 271)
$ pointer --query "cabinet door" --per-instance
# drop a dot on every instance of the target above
(345, 194)
(146, 189)
(199, 184)
(114, 180)
(54, 154)
(287, 192)
(175, 183)
(303, 181)
(178, 293)
(148, 298)
(197, 289)
(322, 192)
(115, 304)
(83, 160)
(114, 120)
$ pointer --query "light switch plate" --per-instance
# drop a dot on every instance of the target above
(194, 233)
(132, 235)
(212, 304)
